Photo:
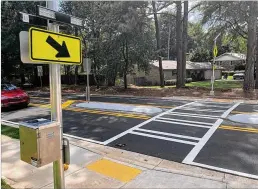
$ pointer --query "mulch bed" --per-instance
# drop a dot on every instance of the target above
(200, 92)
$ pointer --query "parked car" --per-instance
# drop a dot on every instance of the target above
(12, 95)
(238, 76)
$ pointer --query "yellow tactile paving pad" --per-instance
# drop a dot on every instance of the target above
(115, 170)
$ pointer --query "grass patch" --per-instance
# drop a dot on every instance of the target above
(219, 84)
(4, 185)
(10, 131)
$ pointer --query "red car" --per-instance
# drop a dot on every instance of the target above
(11, 95)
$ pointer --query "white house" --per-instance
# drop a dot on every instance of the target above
(195, 70)
(230, 60)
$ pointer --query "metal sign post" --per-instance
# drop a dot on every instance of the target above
(40, 46)
(56, 106)
(215, 52)
(40, 74)
(87, 68)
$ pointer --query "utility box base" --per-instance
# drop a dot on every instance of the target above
(40, 142)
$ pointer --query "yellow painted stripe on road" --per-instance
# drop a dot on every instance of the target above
(64, 105)
(118, 114)
(237, 112)
(242, 129)
(158, 106)
(67, 103)
(114, 170)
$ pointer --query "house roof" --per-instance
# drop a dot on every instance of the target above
(172, 65)
(231, 57)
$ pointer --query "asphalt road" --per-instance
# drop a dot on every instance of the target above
(195, 133)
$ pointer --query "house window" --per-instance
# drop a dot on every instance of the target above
(174, 72)
(231, 63)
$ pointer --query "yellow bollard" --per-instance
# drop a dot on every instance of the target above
(66, 167)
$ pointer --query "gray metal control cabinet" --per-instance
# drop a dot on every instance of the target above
(39, 142)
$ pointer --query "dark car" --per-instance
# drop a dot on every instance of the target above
(238, 76)
(12, 95)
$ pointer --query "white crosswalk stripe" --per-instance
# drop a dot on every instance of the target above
(176, 117)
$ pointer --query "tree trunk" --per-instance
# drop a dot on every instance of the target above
(161, 74)
(94, 71)
(22, 73)
(184, 43)
(256, 67)
(126, 56)
(179, 43)
(251, 40)
(169, 31)
(68, 70)
(35, 76)
(76, 75)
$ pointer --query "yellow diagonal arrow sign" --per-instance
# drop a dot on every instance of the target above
(52, 47)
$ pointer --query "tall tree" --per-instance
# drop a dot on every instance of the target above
(119, 36)
(251, 42)
(179, 43)
(167, 23)
(184, 44)
(256, 65)
(10, 29)
(161, 74)
(238, 18)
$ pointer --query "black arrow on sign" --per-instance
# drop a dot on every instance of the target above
(62, 49)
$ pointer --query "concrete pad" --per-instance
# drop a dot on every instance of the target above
(244, 118)
(179, 168)
(120, 107)
(240, 182)
(158, 179)
(6, 139)
(88, 179)
(27, 176)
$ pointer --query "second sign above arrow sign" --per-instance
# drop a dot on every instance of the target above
(54, 47)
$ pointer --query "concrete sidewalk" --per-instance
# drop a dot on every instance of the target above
(97, 166)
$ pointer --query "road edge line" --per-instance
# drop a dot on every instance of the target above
(10, 123)
(225, 170)
(85, 139)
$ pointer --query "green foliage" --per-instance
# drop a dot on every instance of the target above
(111, 28)
(218, 84)
(10, 131)
(236, 43)
(10, 29)
(4, 185)
(201, 55)
(168, 23)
